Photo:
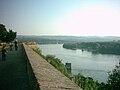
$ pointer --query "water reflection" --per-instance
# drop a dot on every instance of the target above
(95, 65)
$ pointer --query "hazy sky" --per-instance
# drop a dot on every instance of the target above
(62, 17)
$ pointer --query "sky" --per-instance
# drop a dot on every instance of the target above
(61, 17)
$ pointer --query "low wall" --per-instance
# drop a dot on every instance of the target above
(44, 76)
(31, 75)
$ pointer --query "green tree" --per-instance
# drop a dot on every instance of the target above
(6, 36)
(114, 79)
(3, 33)
(10, 36)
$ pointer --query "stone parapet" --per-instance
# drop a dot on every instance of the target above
(47, 77)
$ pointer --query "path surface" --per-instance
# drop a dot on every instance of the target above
(13, 72)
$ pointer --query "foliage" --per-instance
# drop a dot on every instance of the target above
(6, 36)
(54, 62)
(114, 79)
(86, 83)
(57, 64)
(10, 36)
(96, 47)
(37, 50)
(3, 32)
(69, 45)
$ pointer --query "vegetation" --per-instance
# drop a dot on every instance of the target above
(54, 62)
(57, 64)
(40, 40)
(96, 47)
(64, 39)
(6, 36)
(114, 79)
(86, 83)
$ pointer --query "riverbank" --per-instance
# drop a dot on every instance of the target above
(47, 76)
(112, 47)
(86, 83)
(85, 63)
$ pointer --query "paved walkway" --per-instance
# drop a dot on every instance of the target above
(13, 72)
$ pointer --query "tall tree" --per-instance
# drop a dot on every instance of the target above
(10, 36)
(6, 36)
(3, 33)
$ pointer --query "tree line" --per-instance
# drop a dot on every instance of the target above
(86, 83)
(6, 36)
(96, 47)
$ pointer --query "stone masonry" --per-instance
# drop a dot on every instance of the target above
(47, 76)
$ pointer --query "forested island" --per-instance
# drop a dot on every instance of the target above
(112, 47)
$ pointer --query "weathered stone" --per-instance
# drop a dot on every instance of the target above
(47, 76)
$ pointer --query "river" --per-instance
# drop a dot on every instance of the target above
(96, 66)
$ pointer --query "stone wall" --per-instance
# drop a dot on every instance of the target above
(31, 44)
(31, 75)
(44, 76)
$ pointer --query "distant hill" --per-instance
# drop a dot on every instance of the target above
(66, 39)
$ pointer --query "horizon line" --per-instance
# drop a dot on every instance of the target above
(72, 35)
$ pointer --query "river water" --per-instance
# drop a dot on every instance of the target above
(96, 66)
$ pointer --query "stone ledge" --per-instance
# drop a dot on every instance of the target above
(47, 76)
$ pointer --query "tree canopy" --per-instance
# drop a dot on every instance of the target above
(111, 47)
(6, 36)
(114, 79)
